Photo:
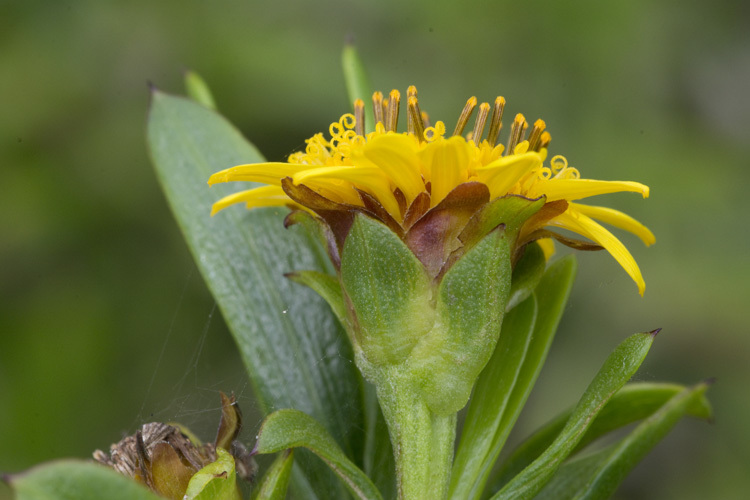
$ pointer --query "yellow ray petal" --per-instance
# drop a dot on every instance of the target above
(502, 174)
(267, 173)
(587, 227)
(372, 180)
(617, 219)
(575, 189)
(448, 161)
(266, 196)
(396, 156)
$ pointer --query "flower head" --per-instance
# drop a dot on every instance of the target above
(437, 192)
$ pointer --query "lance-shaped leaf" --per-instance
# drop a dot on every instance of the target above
(76, 480)
(596, 476)
(275, 481)
(289, 340)
(551, 296)
(292, 429)
(477, 451)
(616, 371)
(638, 443)
(633, 402)
(357, 84)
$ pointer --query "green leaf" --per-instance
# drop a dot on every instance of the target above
(274, 484)
(76, 480)
(326, 286)
(478, 448)
(551, 296)
(198, 90)
(638, 443)
(357, 83)
(616, 371)
(215, 481)
(291, 429)
(633, 402)
(290, 342)
(597, 475)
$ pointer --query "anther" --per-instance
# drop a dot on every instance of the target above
(359, 117)
(496, 122)
(544, 141)
(535, 138)
(415, 118)
(377, 107)
(516, 133)
(391, 117)
(482, 114)
(465, 115)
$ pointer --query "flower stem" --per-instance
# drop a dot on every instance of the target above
(422, 441)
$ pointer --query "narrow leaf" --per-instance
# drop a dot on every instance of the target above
(477, 450)
(551, 297)
(76, 480)
(275, 482)
(291, 429)
(198, 90)
(616, 371)
(290, 342)
(633, 402)
(357, 83)
(326, 286)
(638, 443)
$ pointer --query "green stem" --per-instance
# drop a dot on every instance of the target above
(422, 441)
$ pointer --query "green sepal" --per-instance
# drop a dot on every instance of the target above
(597, 476)
(215, 481)
(285, 429)
(478, 448)
(275, 481)
(511, 210)
(470, 306)
(76, 480)
(389, 292)
(357, 84)
(616, 371)
(633, 402)
(527, 273)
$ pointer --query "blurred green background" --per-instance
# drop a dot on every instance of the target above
(105, 322)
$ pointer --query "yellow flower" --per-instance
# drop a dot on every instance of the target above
(398, 178)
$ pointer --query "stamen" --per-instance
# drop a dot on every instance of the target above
(535, 138)
(516, 133)
(465, 115)
(544, 142)
(391, 116)
(410, 92)
(359, 117)
(496, 122)
(415, 118)
(377, 107)
(484, 111)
